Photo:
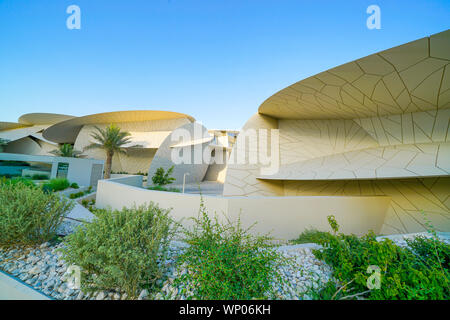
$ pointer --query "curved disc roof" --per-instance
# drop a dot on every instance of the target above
(11, 125)
(408, 78)
(68, 130)
(43, 118)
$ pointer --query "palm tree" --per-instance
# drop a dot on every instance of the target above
(67, 150)
(3, 143)
(112, 140)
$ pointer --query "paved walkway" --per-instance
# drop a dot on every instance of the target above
(12, 289)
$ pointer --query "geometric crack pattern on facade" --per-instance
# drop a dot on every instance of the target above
(136, 160)
(409, 78)
(375, 126)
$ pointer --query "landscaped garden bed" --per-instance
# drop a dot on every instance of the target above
(142, 253)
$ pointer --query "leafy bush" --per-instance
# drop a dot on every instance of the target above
(74, 185)
(418, 272)
(16, 180)
(76, 195)
(28, 215)
(162, 178)
(224, 261)
(39, 177)
(311, 236)
(56, 184)
(161, 188)
(122, 249)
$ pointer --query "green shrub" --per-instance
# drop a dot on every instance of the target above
(39, 177)
(224, 261)
(56, 184)
(19, 180)
(76, 195)
(74, 185)
(122, 249)
(311, 236)
(418, 272)
(28, 215)
(161, 188)
(162, 178)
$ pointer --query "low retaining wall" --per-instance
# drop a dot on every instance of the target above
(284, 217)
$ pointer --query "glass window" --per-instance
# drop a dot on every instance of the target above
(63, 168)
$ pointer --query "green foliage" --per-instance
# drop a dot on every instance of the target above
(123, 250)
(76, 195)
(141, 174)
(81, 193)
(224, 261)
(56, 184)
(419, 271)
(333, 223)
(161, 188)
(39, 177)
(111, 140)
(28, 215)
(74, 185)
(311, 236)
(162, 178)
(18, 180)
(67, 150)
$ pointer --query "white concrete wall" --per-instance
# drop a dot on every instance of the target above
(284, 217)
(79, 168)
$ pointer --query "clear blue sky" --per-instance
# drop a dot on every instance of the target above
(216, 60)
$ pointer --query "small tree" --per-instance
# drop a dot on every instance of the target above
(112, 140)
(162, 178)
(67, 150)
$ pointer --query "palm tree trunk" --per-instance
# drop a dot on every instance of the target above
(109, 156)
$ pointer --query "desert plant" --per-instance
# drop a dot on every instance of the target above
(39, 177)
(28, 215)
(224, 261)
(311, 236)
(76, 195)
(16, 180)
(56, 184)
(161, 188)
(163, 178)
(111, 140)
(123, 250)
(67, 150)
(419, 271)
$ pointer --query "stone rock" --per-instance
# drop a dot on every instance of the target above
(100, 296)
(34, 270)
(143, 294)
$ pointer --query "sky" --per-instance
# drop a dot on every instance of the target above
(216, 60)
